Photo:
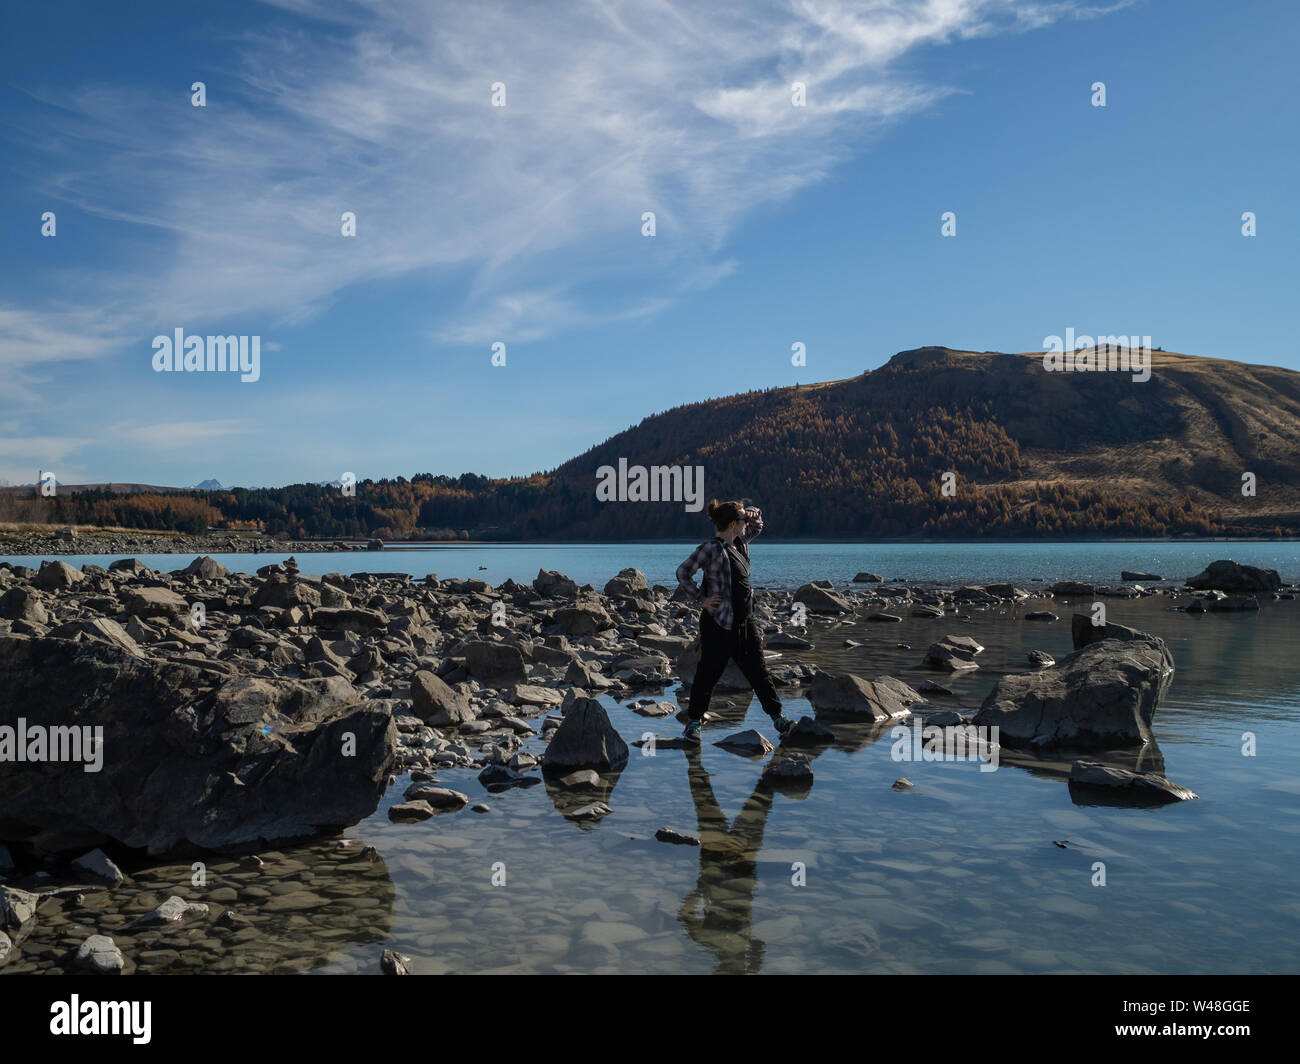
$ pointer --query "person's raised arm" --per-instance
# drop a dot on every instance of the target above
(753, 524)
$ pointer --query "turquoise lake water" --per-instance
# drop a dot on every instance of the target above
(776, 564)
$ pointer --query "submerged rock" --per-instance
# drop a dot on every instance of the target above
(1144, 787)
(590, 812)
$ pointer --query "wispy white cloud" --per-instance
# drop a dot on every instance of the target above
(170, 435)
(382, 107)
(23, 457)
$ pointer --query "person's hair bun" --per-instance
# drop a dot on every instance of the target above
(713, 508)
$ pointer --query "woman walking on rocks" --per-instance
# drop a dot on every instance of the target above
(728, 631)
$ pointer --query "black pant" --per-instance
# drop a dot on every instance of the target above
(744, 645)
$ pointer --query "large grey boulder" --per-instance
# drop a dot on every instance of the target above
(155, 602)
(187, 756)
(585, 739)
(822, 599)
(284, 593)
(583, 618)
(1103, 695)
(23, 604)
(882, 699)
(495, 664)
(1230, 576)
(437, 704)
(56, 576)
(630, 583)
(554, 585)
(206, 568)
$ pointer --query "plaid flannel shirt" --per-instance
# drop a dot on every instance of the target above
(711, 556)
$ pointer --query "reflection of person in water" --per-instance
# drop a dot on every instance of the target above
(728, 865)
(718, 912)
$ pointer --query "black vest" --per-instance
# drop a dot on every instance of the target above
(742, 596)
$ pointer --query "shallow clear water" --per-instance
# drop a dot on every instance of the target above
(958, 875)
(775, 564)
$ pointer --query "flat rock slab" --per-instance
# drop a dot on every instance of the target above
(532, 694)
(675, 742)
(1143, 787)
(594, 811)
(786, 641)
(584, 777)
(410, 812)
(653, 709)
(440, 798)
(676, 837)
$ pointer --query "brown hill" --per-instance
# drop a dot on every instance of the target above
(871, 447)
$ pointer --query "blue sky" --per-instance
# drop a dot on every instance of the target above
(522, 224)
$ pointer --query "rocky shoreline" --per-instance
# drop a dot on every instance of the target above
(34, 542)
(235, 711)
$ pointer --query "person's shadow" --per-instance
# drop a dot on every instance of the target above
(717, 914)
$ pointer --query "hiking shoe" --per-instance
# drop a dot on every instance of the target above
(692, 732)
(783, 723)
